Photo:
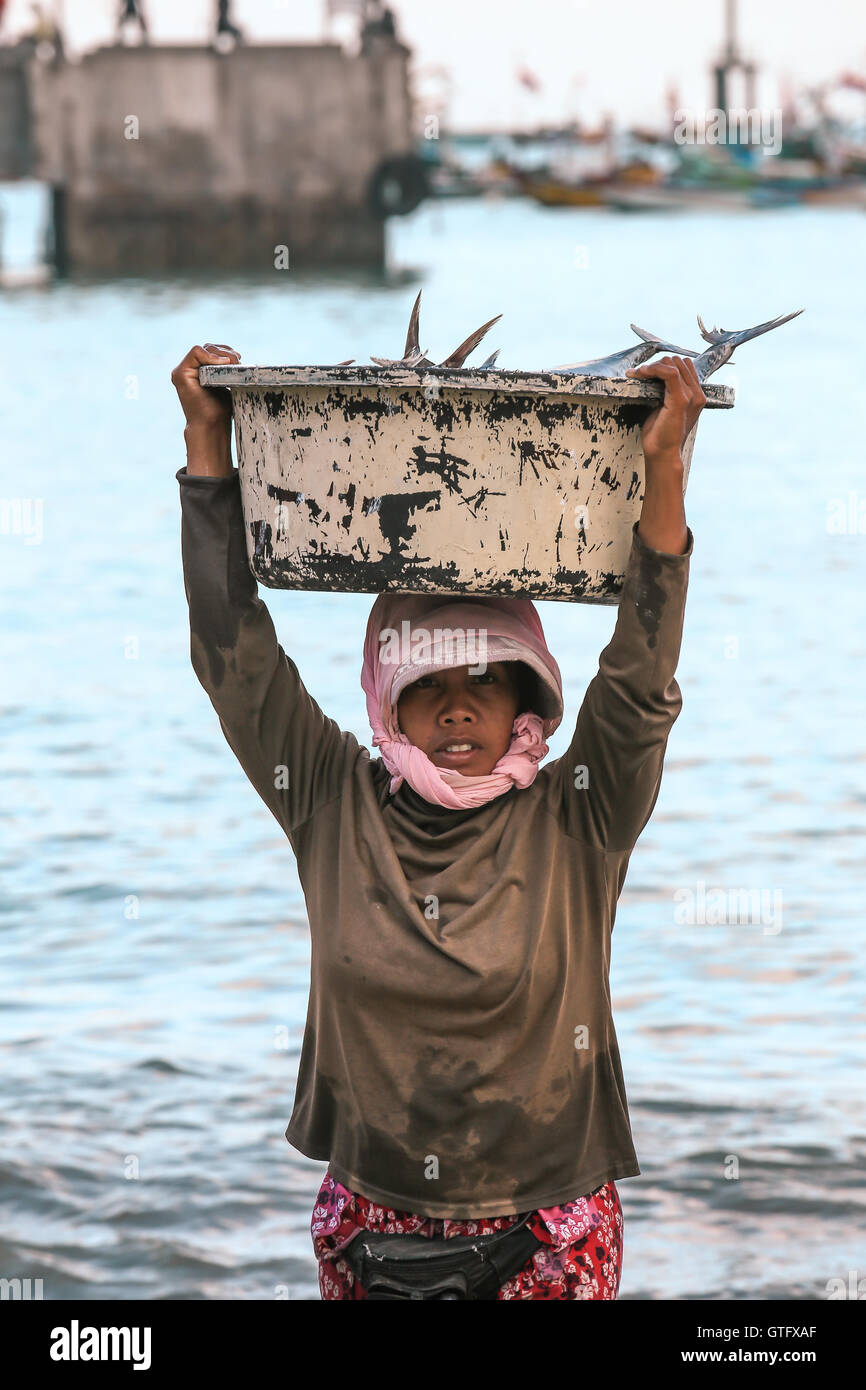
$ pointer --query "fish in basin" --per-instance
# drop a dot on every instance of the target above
(724, 340)
(414, 357)
(616, 364)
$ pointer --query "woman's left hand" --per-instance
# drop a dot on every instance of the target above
(666, 428)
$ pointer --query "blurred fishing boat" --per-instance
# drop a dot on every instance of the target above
(592, 190)
(552, 193)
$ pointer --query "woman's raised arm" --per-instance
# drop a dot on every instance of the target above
(294, 755)
(611, 773)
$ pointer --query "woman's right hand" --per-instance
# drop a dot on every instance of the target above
(208, 411)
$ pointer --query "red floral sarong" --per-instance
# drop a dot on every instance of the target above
(581, 1257)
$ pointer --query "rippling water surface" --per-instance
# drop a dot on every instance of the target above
(154, 942)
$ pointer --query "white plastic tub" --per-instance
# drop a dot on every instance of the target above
(366, 479)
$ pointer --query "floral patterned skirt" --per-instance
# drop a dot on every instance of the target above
(581, 1257)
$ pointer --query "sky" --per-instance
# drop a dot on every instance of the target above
(590, 57)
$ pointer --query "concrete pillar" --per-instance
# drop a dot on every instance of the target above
(16, 154)
(183, 158)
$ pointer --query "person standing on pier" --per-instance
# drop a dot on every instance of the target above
(131, 13)
(225, 28)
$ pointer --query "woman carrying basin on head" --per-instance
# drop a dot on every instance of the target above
(460, 1070)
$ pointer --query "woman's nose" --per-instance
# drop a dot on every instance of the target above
(457, 705)
(457, 711)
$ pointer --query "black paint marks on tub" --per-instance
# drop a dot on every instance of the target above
(446, 411)
(360, 407)
(611, 482)
(474, 501)
(274, 402)
(450, 468)
(549, 413)
(362, 572)
(633, 487)
(393, 512)
(349, 498)
(506, 407)
(350, 574)
(263, 540)
(531, 454)
(632, 415)
(500, 409)
(443, 414)
(287, 494)
(369, 410)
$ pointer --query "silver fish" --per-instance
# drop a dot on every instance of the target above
(414, 357)
(724, 340)
(617, 364)
(489, 361)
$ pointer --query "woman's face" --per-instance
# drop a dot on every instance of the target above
(462, 721)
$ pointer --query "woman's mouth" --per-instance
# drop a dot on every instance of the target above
(457, 751)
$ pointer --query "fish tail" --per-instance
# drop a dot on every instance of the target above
(710, 335)
(412, 344)
(679, 351)
(642, 333)
(747, 333)
(742, 335)
(459, 355)
(660, 344)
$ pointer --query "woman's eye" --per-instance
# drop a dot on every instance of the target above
(430, 682)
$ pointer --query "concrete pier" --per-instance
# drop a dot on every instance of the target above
(16, 154)
(181, 157)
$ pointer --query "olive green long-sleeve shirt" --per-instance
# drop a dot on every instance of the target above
(459, 1057)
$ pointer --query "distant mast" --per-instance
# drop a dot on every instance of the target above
(732, 61)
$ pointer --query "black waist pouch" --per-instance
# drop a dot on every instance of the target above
(417, 1267)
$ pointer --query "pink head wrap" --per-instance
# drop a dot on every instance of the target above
(412, 635)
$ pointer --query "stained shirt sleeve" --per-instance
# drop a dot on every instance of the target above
(611, 774)
(293, 754)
